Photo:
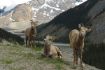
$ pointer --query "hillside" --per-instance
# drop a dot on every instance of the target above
(9, 37)
(63, 23)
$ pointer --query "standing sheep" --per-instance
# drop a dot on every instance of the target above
(76, 38)
(30, 34)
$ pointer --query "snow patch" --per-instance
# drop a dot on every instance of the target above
(51, 11)
(78, 3)
(57, 5)
(45, 5)
(11, 19)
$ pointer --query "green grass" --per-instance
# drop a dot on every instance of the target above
(6, 61)
(57, 62)
(15, 53)
(38, 48)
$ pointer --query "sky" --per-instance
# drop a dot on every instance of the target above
(11, 3)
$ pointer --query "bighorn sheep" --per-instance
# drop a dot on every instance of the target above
(77, 42)
(51, 50)
(30, 33)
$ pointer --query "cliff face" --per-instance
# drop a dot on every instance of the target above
(45, 10)
(95, 47)
(97, 19)
(22, 12)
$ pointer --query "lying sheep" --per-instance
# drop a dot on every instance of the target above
(51, 50)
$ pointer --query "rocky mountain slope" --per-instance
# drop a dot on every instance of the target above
(89, 13)
(22, 12)
(46, 10)
(63, 23)
(43, 10)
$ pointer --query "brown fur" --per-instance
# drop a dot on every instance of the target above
(30, 34)
(51, 50)
(77, 42)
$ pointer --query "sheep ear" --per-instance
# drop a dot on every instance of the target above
(36, 21)
(31, 23)
(82, 24)
(79, 25)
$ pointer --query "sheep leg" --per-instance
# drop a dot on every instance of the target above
(26, 41)
(76, 50)
(59, 54)
(75, 54)
(45, 51)
(30, 43)
(81, 58)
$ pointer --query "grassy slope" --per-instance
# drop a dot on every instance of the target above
(17, 57)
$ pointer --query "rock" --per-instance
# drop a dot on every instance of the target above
(5, 20)
(22, 12)
(46, 10)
